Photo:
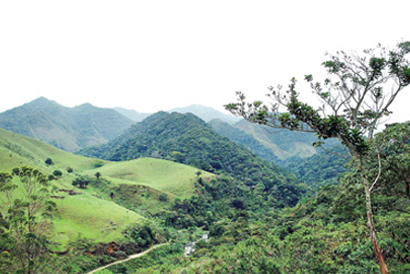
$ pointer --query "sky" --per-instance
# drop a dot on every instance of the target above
(160, 54)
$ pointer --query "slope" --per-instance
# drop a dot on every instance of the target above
(90, 213)
(189, 140)
(206, 113)
(66, 128)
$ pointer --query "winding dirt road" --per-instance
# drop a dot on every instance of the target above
(127, 259)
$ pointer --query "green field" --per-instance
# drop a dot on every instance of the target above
(174, 179)
(92, 214)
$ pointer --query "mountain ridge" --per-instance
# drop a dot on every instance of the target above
(68, 128)
(187, 139)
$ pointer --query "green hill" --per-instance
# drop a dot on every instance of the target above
(67, 128)
(189, 140)
(92, 213)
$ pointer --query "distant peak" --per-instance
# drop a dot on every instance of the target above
(41, 99)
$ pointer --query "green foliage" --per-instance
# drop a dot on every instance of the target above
(49, 162)
(67, 128)
(57, 173)
(163, 197)
(193, 142)
(355, 102)
(321, 169)
(24, 221)
(393, 146)
(143, 236)
(81, 181)
(98, 164)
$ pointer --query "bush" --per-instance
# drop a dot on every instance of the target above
(49, 162)
(98, 164)
(163, 197)
(57, 173)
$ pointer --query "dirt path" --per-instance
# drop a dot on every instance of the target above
(127, 259)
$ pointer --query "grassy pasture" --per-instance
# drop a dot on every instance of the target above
(92, 214)
(176, 180)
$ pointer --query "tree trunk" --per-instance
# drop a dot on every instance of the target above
(370, 223)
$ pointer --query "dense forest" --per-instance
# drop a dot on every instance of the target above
(323, 233)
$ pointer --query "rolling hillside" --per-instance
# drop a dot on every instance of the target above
(186, 139)
(92, 213)
(67, 128)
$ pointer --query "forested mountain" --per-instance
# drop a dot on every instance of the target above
(284, 144)
(189, 140)
(281, 147)
(324, 168)
(239, 136)
(323, 234)
(68, 128)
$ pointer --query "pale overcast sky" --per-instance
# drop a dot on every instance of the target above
(158, 55)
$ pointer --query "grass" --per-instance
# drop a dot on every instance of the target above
(92, 218)
(168, 177)
(93, 214)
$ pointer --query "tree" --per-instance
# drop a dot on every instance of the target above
(49, 162)
(81, 182)
(24, 220)
(393, 147)
(97, 175)
(57, 173)
(355, 97)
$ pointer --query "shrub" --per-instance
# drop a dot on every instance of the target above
(49, 162)
(98, 164)
(163, 197)
(57, 173)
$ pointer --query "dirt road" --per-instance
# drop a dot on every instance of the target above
(127, 259)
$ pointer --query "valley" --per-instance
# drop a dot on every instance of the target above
(168, 179)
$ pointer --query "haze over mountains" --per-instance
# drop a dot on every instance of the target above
(73, 129)
(169, 172)
(67, 128)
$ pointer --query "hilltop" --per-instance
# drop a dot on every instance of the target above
(67, 128)
(92, 213)
(186, 139)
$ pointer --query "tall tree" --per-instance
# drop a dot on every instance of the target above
(357, 94)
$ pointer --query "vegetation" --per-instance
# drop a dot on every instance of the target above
(323, 168)
(186, 139)
(67, 128)
(24, 221)
(172, 179)
(357, 97)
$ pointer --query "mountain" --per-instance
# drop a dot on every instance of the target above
(187, 139)
(239, 136)
(132, 114)
(68, 128)
(207, 113)
(284, 143)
